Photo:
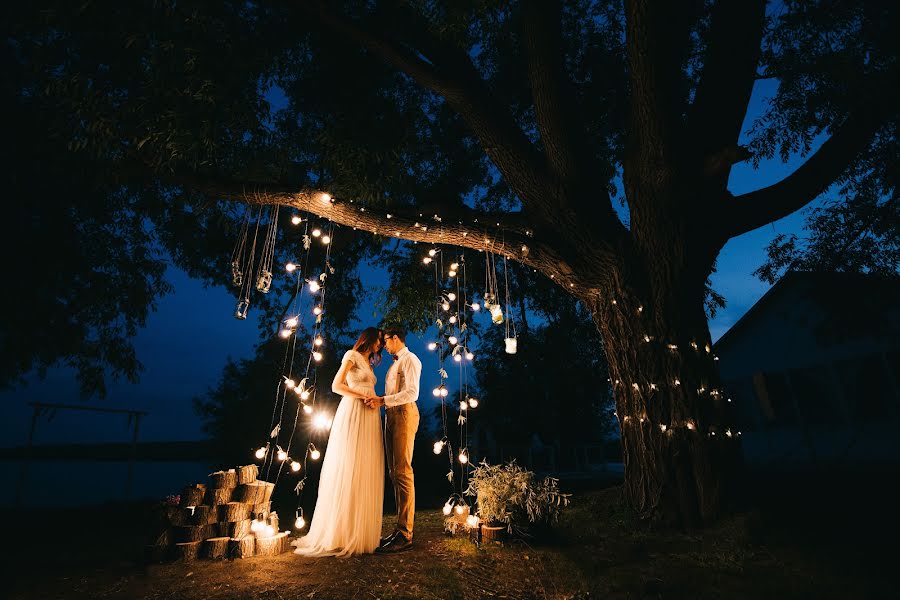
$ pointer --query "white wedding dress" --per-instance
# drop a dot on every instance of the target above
(347, 518)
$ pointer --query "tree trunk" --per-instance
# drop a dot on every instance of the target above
(679, 449)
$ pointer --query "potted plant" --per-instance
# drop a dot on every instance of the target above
(511, 499)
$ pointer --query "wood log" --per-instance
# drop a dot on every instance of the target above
(216, 496)
(241, 547)
(272, 545)
(261, 510)
(215, 547)
(187, 550)
(192, 495)
(234, 511)
(223, 479)
(247, 474)
(235, 529)
(193, 533)
(257, 492)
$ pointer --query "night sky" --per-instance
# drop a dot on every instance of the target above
(188, 339)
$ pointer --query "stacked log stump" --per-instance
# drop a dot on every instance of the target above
(229, 517)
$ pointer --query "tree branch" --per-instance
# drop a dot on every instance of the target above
(449, 72)
(748, 211)
(726, 82)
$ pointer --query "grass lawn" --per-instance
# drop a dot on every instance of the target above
(597, 551)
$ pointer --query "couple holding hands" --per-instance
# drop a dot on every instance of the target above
(348, 513)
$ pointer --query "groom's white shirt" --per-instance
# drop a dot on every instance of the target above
(401, 385)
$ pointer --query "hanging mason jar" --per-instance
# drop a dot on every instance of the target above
(496, 314)
(511, 345)
(237, 278)
(241, 311)
(264, 281)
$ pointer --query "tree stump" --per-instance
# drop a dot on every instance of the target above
(241, 547)
(192, 533)
(234, 511)
(257, 492)
(272, 545)
(235, 529)
(247, 474)
(261, 510)
(215, 547)
(223, 479)
(187, 550)
(203, 515)
(192, 495)
(216, 496)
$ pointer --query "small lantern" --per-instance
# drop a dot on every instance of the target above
(264, 281)
(496, 314)
(241, 311)
(511, 345)
(237, 278)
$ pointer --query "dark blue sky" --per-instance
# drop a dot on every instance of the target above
(189, 338)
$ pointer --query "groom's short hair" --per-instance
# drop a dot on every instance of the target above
(400, 333)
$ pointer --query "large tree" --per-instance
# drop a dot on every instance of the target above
(501, 127)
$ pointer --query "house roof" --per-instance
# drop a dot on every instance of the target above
(833, 292)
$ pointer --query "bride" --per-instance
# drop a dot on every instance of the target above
(347, 518)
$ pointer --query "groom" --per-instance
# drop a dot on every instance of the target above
(401, 390)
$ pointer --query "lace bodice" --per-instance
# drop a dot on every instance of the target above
(360, 377)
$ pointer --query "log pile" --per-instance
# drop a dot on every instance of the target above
(229, 517)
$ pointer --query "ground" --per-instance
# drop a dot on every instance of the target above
(596, 551)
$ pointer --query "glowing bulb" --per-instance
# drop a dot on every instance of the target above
(261, 452)
(452, 273)
(317, 356)
(448, 508)
(438, 447)
(454, 266)
(452, 319)
(436, 392)
(469, 356)
(292, 322)
(325, 198)
(445, 306)
(426, 260)
(326, 239)
(451, 296)
(444, 392)
(314, 286)
(282, 455)
(432, 252)
(316, 232)
(463, 457)
(452, 339)
(289, 383)
(319, 341)
(473, 402)
(463, 405)
(321, 421)
(300, 523)
(285, 333)
(457, 358)
(432, 346)
(459, 509)
(290, 267)
(268, 531)
(472, 521)
(256, 525)
(317, 310)
(296, 220)
(295, 466)
(307, 409)
(476, 307)
(304, 394)
(677, 382)
(315, 454)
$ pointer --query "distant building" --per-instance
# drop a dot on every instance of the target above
(813, 370)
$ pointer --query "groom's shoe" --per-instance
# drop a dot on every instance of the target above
(398, 544)
(388, 539)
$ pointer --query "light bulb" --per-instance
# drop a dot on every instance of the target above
(454, 266)
(317, 310)
(317, 356)
(451, 296)
(325, 198)
(445, 306)
(314, 286)
(261, 452)
(469, 356)
(438, 447)
(285, 333)
(432, 252)
(452, 319)
(452, 273)
(472, 521)
(316, 232)
(290, 267)
(307, 409)
(452, 339)
(476, 307)
(463, 405)
(300, 523)
(289, 383)
(295, 466)
(463, 457)
(321, 421)
(282, 455)
(326, 239)
(296, 220)
(268, 531)
(304, 394)
(315, 454)
(256, 525)
(448, 508)
(444, 392)
(460, 508)
(426, 260)
(473, 402)
(432, 346)
(292, 322)
(436, 392)
(319, 341)
(457, 358)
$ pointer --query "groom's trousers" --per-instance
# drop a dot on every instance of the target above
(401, 425)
